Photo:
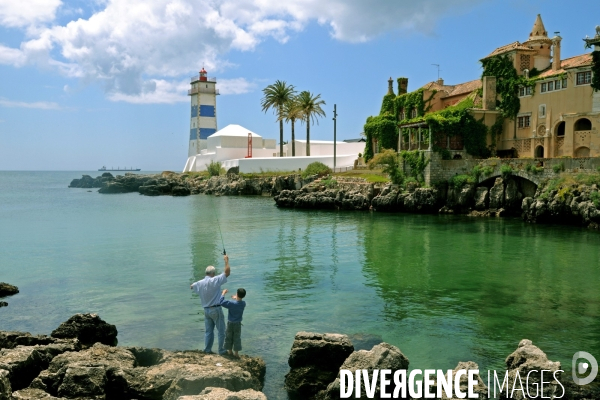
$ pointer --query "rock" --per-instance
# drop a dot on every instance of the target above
(212, 393)
(528, 358)
(86, 382)
(11, 339)
(315, 360)
(7, 289)
(386, 201)
(88, 328)
(423, 200)
(33, 394)
(5, 387)
(180, 191)
(497, 194)
(465, 196)
(381, 356)
(3, 304)
(24, 363)
(480, 388)
(482, 198)
(512, 197)
(190, 372)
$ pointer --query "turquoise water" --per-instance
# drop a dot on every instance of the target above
(442, 288)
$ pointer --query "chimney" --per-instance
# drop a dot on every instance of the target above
(390, 86)
(402, 85)
(440, 81)
(556, 53)
(489, 93)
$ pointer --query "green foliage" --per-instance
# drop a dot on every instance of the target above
(417, 162)
(487, 170)
(214, 168)
(445, 153)
(595, 198)
(477, 172)
(384, 129)
(387, 105)
(458, 181)
(329, 183)
(495, 132)
(507, 83)
(558, 168)
(532, 169)
(316, 168)
(457, 120)
(506, 170)
(596, 70)
(388, 161)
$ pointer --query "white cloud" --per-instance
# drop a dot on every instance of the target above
(235, 86)
(139, 50)
(22, 13)
(42, 105)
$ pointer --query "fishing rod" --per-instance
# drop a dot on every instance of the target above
(218, 225)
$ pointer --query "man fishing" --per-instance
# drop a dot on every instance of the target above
(209, 290)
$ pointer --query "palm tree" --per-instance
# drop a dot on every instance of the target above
(311, 110)
(275, 97)
(292, 112)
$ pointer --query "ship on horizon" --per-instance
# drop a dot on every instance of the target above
(118, 169)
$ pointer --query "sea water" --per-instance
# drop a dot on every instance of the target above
(443, 289)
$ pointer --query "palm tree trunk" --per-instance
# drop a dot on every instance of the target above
(280, 138)
(293, 140)
(308, 137)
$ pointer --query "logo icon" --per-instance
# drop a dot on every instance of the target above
(582, 367)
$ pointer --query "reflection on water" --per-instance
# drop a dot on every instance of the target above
(442, 288)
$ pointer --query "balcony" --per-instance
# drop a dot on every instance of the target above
(197, 78)
(203, 90)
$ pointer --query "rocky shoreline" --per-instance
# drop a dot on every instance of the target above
(80, 360)
(316, 359)
(7, 289)
(577, 204)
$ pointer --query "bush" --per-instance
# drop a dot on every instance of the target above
(388, 160)
(487, 170)
(233, 170)
(329, 183)
(558, 168)
(506, 170)
(316, 168)
(214, 168)
(458, 181)
(595, 198)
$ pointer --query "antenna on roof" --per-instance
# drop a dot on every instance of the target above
(438, 69)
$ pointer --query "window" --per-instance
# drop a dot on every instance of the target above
(528, 90)
(564, 83)
(583, 78)
(544, 87)
(402, 115)
(542, 110)
(550, 86)
(521, 91)
(523, 122)
(556, 85)
(413, 113)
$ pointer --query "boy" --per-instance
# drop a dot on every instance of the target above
(233, 333)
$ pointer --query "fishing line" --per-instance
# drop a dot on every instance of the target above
(218, 225)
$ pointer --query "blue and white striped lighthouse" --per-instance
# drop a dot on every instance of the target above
(203, 116)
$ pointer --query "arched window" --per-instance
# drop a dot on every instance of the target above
(539, 152)
(583, 124)
(560, 129)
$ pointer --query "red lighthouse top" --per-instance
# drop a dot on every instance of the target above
(203, 75)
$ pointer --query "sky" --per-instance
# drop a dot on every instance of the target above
(104, 82)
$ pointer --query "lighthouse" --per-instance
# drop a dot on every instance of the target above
(203, 114)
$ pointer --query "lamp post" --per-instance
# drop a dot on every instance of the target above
(334, 135)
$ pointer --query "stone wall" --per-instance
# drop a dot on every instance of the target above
(442, 170)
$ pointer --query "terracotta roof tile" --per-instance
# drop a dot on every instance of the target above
(572, 62)
(509, 47)
(466, 87)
